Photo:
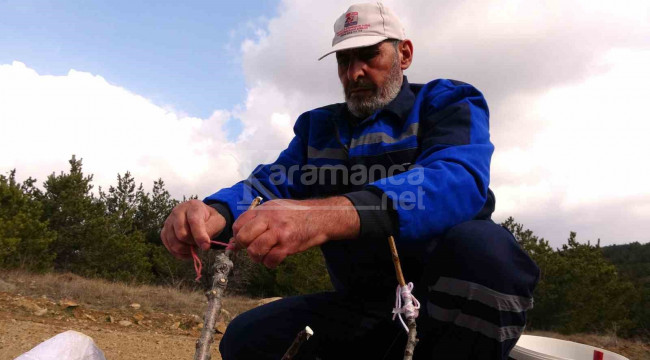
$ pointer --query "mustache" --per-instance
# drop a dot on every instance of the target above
(361, 84)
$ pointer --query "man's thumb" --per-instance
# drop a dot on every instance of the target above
(214, 226)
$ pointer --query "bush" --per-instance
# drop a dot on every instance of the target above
(579, 290)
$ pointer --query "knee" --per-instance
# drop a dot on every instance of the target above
(230, 344)
(233, 344)
(487, 253)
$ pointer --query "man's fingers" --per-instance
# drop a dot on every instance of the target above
(181, 229)
(196, 219)
(274, 257)
(177, 249)
(242, 220)
(261, 246)
(251, 230)
(215, 224)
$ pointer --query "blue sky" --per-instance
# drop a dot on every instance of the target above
(175, 53)
(199, 93)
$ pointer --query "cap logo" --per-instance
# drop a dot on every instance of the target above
(351, 18)
(352, 25)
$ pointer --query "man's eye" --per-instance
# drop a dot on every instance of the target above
(342, 60)
(368, 55)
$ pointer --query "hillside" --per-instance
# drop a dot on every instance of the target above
(164, 325)
(632, 260)
(126, 322)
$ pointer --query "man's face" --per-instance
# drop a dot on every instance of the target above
(371, 77)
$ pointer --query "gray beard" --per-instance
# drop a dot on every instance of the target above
(364, 107)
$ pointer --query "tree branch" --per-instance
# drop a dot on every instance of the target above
(410, 319)
(302, 336)
(222, 268)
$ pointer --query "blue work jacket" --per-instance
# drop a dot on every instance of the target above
(413, 169)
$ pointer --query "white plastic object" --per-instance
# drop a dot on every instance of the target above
(531, 347)
(69, 345)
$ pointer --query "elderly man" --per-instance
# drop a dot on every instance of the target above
(398, 159)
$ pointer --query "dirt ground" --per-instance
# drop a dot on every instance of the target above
(156, 336)
(146, 322)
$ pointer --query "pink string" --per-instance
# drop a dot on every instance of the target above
(198, 266)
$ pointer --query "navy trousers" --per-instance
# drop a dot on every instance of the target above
(475, 289)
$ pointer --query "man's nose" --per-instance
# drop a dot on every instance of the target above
(356, 69)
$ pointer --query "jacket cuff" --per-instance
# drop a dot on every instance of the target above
(226, 234)
(377, 220)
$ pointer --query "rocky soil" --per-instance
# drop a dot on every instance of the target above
(125, 333)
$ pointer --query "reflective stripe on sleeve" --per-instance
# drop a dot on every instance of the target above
(382, 137)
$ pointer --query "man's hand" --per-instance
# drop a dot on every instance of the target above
(191, 223)
(279, 228)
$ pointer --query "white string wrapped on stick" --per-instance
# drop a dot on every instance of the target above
(405, 303)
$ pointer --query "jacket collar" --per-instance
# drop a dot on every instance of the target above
(403, 102)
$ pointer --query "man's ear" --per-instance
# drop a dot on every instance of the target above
(405, 49)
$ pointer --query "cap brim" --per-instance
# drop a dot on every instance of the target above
(356, 42)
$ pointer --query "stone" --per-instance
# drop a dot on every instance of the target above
(66, 303)
(220, 327)
(136, 306)
(90, 317)
(267, 300)
(175, 325)
(125, 323)
(40, 312)
(138, 317)
(110, 319)
(195, 319)
(28, 305)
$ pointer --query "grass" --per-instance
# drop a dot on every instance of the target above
(102, 294)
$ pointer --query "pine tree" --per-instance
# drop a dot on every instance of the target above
(95, 235)
(151, 213)
(579, 290)
(24, 238)
(75, 215)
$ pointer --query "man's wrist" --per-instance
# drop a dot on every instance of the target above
(336, 217)
(224, 211)
(377, 217)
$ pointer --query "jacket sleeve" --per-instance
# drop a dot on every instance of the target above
(280, 179)
(449, 181)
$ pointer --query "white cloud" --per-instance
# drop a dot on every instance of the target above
(590, 155)
(565, 81)
(46, 119)
(566, 114)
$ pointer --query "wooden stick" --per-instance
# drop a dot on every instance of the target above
(398, 266)
(222, 267)
(410, 320)
(302, 336)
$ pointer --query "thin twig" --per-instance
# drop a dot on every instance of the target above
(398, 266)
(410, 319)
(302, 336)
(222, 268)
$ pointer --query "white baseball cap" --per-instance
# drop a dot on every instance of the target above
(365, 25)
